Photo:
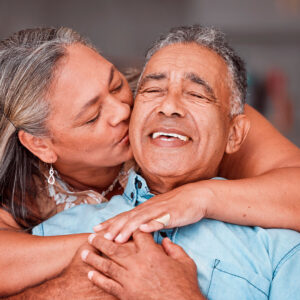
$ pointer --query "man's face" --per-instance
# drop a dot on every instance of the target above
(180, 122)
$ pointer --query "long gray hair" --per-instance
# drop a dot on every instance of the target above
(28, 60)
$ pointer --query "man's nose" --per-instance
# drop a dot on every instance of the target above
(118, 111)
(171, 105)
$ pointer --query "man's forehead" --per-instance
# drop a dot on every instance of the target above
(191, 62)
(185, 58)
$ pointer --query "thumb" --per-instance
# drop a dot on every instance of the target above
(173, 250)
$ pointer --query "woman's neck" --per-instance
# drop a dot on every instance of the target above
(93, 179)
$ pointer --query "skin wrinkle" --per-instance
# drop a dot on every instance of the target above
(196, 79)
(171, 103)
(86, 106)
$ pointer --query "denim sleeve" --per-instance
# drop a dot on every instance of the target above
(286, 277)
(79, 219)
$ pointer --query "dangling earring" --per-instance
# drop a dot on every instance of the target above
(51, 178)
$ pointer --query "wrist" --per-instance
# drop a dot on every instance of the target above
(203, 194)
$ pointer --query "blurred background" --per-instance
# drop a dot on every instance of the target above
(266, 33)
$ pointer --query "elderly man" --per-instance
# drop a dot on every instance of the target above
(187, 114)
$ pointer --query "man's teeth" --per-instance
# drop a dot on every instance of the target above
(178, 136)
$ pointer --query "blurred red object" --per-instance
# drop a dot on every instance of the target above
(277, 91)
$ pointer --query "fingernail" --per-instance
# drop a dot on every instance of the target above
(90, 275)
(84, 254)
(119, 238)
(98, 227)
(108, 236)
(91, 237)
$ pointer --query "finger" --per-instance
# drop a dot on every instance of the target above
(151, 226)
(105, 246)
(108, 285)
(116, 252)
(104, 265)
(106, 224)
(174, 250)
(100, 227)
(141, 217)
(113, 230)
(143, 240)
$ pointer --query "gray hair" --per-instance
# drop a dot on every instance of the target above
(214, 40)
(28, 60)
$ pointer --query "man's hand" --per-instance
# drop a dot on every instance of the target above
(142, 269)
(71, 284)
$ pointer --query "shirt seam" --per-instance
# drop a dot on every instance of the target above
(288, 255)
(216, 262)
(243, 279)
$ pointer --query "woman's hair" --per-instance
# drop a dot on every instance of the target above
(28, 60)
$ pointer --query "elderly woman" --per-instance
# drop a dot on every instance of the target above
(64, 141)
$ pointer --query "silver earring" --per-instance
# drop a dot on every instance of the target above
(51, 178)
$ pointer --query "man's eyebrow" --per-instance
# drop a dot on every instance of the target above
(88, 104)
(152, 76)
(196, 79)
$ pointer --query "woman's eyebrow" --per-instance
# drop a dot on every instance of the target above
(111, 74)
(95, 99)
(88, 104)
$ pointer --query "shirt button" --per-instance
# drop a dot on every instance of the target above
(139, 184)
(132, 195)
(163, 234)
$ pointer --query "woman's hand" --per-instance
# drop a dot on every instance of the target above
(184, 205)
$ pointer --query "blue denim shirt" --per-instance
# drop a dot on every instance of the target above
(233, 262)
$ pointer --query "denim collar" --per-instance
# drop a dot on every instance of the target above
(136, 191)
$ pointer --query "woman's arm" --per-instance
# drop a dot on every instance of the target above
(266, 194)
(263, 150)
(29, 260)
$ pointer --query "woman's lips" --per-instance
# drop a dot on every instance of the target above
(124, 139)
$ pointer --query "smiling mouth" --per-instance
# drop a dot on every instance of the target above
(167, 136)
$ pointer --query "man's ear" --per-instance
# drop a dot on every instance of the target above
(239, 127)
(40, 147)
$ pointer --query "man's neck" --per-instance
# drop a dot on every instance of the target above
(162, 184)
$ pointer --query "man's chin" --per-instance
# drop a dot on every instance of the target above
(166, 169)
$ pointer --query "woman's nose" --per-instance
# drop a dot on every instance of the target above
(118, 111)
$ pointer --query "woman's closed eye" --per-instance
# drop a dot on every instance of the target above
(91, 121)
(117, 88)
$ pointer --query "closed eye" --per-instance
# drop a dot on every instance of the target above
(152, 90)
(118, 88)
(197, 96)
(94, 119)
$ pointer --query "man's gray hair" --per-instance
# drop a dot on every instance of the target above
(214, 40)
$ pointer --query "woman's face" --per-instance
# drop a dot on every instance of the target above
(90, 110)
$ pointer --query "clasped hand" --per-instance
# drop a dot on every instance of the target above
(142, 269)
